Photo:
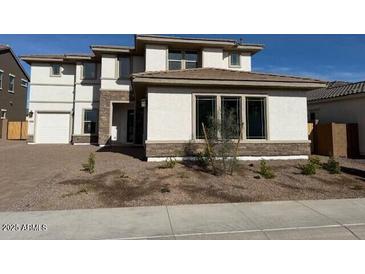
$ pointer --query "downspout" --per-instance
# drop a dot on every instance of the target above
(73, 106)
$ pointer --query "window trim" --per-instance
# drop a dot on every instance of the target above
(51, 70)
(243, 113)
(11, 91)
(230, 60)
(1, 79)
(83, 71)
(183, 60)
(83, 122)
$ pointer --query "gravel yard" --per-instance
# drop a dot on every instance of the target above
(46, 177)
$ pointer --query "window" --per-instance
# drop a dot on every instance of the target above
(191, 59)
(24, 83)
(231, 117)
(90, 121)
(124, 67)
(89, 71)
(3, 114)
(312, 116)
(1, 79)
(11, 83)
(205, 112)
(182, 59)
(175, 60)
(255, 118)
(234, 59)
(56, 70)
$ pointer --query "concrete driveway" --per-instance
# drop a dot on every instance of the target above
(315, 220)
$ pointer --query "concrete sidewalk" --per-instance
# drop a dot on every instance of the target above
(322, 219)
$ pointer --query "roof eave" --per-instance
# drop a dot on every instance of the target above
(202, 82)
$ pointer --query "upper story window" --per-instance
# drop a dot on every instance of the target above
(124, 67)
(11, 87)
(55, 70)
(24, 83)
(1, 79)
(234, 59)
(182, 59)
(89, 71)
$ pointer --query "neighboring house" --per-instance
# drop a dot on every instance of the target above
(158, 93)
(340, 104)
(13, 86)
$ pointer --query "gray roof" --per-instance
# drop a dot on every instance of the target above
(336, 91)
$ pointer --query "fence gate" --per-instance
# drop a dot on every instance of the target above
(17, 130)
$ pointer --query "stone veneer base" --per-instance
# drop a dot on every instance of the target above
(259, 149)
(84, 139)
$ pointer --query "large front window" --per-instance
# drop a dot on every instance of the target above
(182, 59)
(90, 121)
(255, 118)
(231, 117)
(205, 112)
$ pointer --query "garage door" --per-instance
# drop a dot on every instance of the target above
(52, 128)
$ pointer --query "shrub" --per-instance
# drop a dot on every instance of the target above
(222, 139)
(309, 168)
(332, 166)
(315, 161)
(265, 170)
(89, 166)
(202, 159)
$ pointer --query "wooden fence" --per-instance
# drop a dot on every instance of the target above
(17, 130)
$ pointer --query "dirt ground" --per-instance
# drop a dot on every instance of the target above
(47, 177)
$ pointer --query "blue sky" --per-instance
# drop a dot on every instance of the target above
(327, 57)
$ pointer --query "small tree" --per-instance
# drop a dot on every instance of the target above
(222, 143)
(89, 166)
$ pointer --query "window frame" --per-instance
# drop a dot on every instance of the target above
(83, 121)
(230, 59)
(3, 113)
(51, 70)
(183, 58)
(1, 79)
(119, 67)
(13, 90)
(83, 71)
(266, 137)
(242, 114)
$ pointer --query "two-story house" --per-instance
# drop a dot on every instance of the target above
(159, 92)
(13, 86)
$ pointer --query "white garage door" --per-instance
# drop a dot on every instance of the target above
(53, 128)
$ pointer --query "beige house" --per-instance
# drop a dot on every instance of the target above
(157, 94)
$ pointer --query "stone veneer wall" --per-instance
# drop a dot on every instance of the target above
(106, 97)
(245, 149)
(84, 139)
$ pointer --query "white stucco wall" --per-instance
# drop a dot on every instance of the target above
(79, 113)
(120, 111)
(41, 74)
(169, 115)
(109, 74)
(344, 110)
(287, 116)
(156, 57)
(217, 58)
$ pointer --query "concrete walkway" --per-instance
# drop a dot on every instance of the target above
(322, 219)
